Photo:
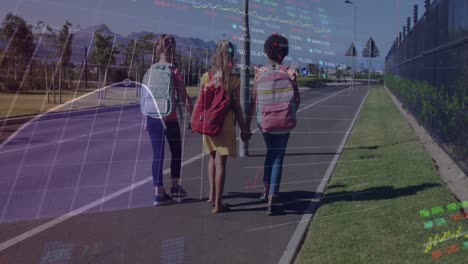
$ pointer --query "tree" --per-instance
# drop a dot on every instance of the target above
(143, 46)
(1, 57)
(64, 48)
(198, 56)
(339, 72)
(64, 44)
(47, 36)
(244, 72)
(127, 51)
(59, 43)
(103, 54)
(20, 43)
(313, 69)
(136, 49)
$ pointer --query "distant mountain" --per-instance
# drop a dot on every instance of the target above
(101, 28)
(135, 35)
(83, 38)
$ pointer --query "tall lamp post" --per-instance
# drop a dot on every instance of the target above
(244, 75)
(354, 38)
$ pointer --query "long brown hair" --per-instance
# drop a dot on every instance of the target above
(222, 63)
(161, 45)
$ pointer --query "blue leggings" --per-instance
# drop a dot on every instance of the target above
(276, 147)
(157, 133)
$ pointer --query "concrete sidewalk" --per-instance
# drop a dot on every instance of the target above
(127, 229)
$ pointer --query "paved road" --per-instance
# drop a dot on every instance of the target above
(78, 190)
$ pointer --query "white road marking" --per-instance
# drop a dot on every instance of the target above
(39, 229)
(65, 140)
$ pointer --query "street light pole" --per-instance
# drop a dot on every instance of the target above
(354, 41)
(354, 38)
(244, 75)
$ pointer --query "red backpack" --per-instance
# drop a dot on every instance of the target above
(210, 111)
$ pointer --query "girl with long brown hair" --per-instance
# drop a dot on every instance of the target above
(164, 48)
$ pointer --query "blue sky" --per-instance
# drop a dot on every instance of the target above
(378, 18)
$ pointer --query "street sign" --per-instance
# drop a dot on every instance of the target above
(305, 71)
(351, 51)
(370, 50)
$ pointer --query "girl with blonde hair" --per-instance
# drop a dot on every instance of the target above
(224, 145)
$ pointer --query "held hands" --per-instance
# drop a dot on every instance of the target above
(292, 74)
(245, 135)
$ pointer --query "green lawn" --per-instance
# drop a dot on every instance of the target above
(371, 211)
(35, 102)
(30, 103)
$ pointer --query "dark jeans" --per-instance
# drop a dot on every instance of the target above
(156, 132)
(276, 147)
(175, 144)
(172, 133)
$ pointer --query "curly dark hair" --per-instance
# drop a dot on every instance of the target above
(276, 48)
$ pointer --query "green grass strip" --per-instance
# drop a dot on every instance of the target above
(33, 102)
(390, 209)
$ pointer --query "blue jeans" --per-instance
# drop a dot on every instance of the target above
(157, 133)
(276, 147)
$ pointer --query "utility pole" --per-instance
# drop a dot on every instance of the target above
(354, 39)
(86, 65)
(60, 83)
(370, 51)
(244, 75)
(54, 78)
(46, 80)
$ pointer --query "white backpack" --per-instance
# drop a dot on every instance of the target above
(156, 91)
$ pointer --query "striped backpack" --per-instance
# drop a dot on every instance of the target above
(156, 91)
(276, 108)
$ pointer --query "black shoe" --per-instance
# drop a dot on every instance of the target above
(178, 192)
(162, 200)
(264, 197)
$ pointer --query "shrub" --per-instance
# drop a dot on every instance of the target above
(12, 86)
(444, 114)
(311, 82)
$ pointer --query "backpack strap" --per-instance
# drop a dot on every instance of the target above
(232, 105)
(210, 76)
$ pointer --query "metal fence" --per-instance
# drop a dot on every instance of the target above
(428, 71)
